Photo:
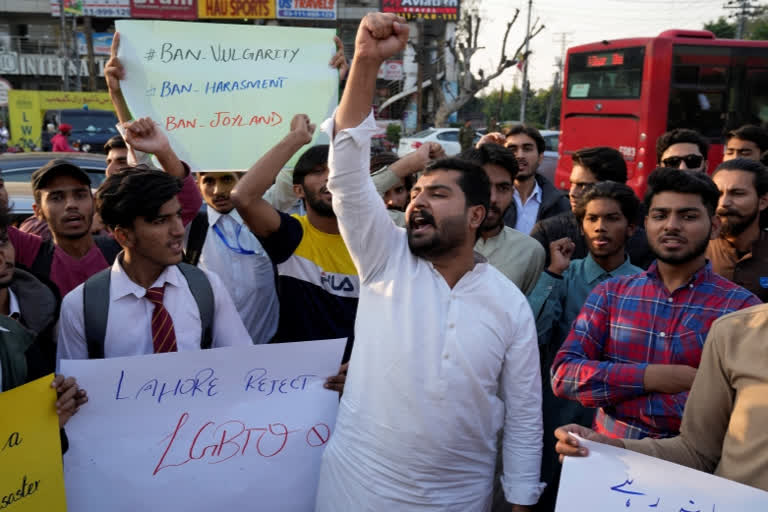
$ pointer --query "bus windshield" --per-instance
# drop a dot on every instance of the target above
(615, 74)
(717, 88)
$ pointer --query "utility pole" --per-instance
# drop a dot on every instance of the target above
(524, 94)
(69, 53)
(88, 28)
(75, 58)
(63, 48)
(560, 64)
(420, 52)
(745, 10)
(501, 104)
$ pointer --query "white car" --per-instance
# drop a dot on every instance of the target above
(446, 137)
(549, 162)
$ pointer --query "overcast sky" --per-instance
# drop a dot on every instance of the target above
(584, 21)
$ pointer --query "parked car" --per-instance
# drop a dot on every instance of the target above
(91, 129)
(549, 162)
(17, 171)
(446, 137)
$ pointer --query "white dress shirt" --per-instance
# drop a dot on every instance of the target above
(527, 213)
(129, 323)
(249, 278)
(435, 373)
(13, 308)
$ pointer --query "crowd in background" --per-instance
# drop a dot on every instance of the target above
(474, 295)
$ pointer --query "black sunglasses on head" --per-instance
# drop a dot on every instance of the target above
(691, 161)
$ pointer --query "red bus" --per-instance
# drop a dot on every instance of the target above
(626, 93)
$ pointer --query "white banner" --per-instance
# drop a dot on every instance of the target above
(224, 93)
(222, 429)
(612, 479)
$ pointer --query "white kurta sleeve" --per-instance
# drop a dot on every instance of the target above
(368, 231)
(521, 393)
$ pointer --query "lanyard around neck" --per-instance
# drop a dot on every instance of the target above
(239, 249)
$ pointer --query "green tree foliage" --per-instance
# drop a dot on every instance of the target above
(721, 28)
(508, 109)
(756, 28)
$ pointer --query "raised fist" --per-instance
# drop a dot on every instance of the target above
(380, 36)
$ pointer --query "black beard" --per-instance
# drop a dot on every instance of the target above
(521, 177)
(320, 207)
(738, 225)
(485, 227)
(443, 240)
(685, 257)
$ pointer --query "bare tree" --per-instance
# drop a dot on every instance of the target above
(463, 48)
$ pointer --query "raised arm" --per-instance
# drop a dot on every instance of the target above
(379, 37)
(248, 196)
(406, 166)
(114, 72)
(146, 136)
(367, 230)
(547, 299)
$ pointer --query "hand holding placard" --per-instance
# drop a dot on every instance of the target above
(611, 478)
(169, 429)
(224, 93)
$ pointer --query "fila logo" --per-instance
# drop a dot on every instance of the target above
(337, 283)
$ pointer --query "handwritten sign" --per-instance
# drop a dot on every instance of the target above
(611, 479)
(225, 94)
(31, 477)
(230, 428)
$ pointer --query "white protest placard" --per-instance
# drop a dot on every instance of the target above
(611, 479)
(225, 94)
(221, 429)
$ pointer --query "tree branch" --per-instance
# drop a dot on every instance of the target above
(465, 48)
(506, 35)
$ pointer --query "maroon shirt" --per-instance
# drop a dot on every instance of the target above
(68, 272)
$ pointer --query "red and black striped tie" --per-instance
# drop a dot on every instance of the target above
(163, 335)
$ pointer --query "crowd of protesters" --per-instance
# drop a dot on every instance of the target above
(487, 313)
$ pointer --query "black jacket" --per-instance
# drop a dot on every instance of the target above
(27, 347)
(566, 225)
(553, 202)
(39, 306)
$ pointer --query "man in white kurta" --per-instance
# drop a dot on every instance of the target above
(437, 370)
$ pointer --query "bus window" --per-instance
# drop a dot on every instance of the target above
(698, 96)
(718, 88)
(613, 74)
(757, 89)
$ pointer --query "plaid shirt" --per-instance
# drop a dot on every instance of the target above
(628, 323)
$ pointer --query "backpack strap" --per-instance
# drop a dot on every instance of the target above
(96, 307)
(96, 311)
(198, 230)
(203, 294)
(109, 247)
(41, 266)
